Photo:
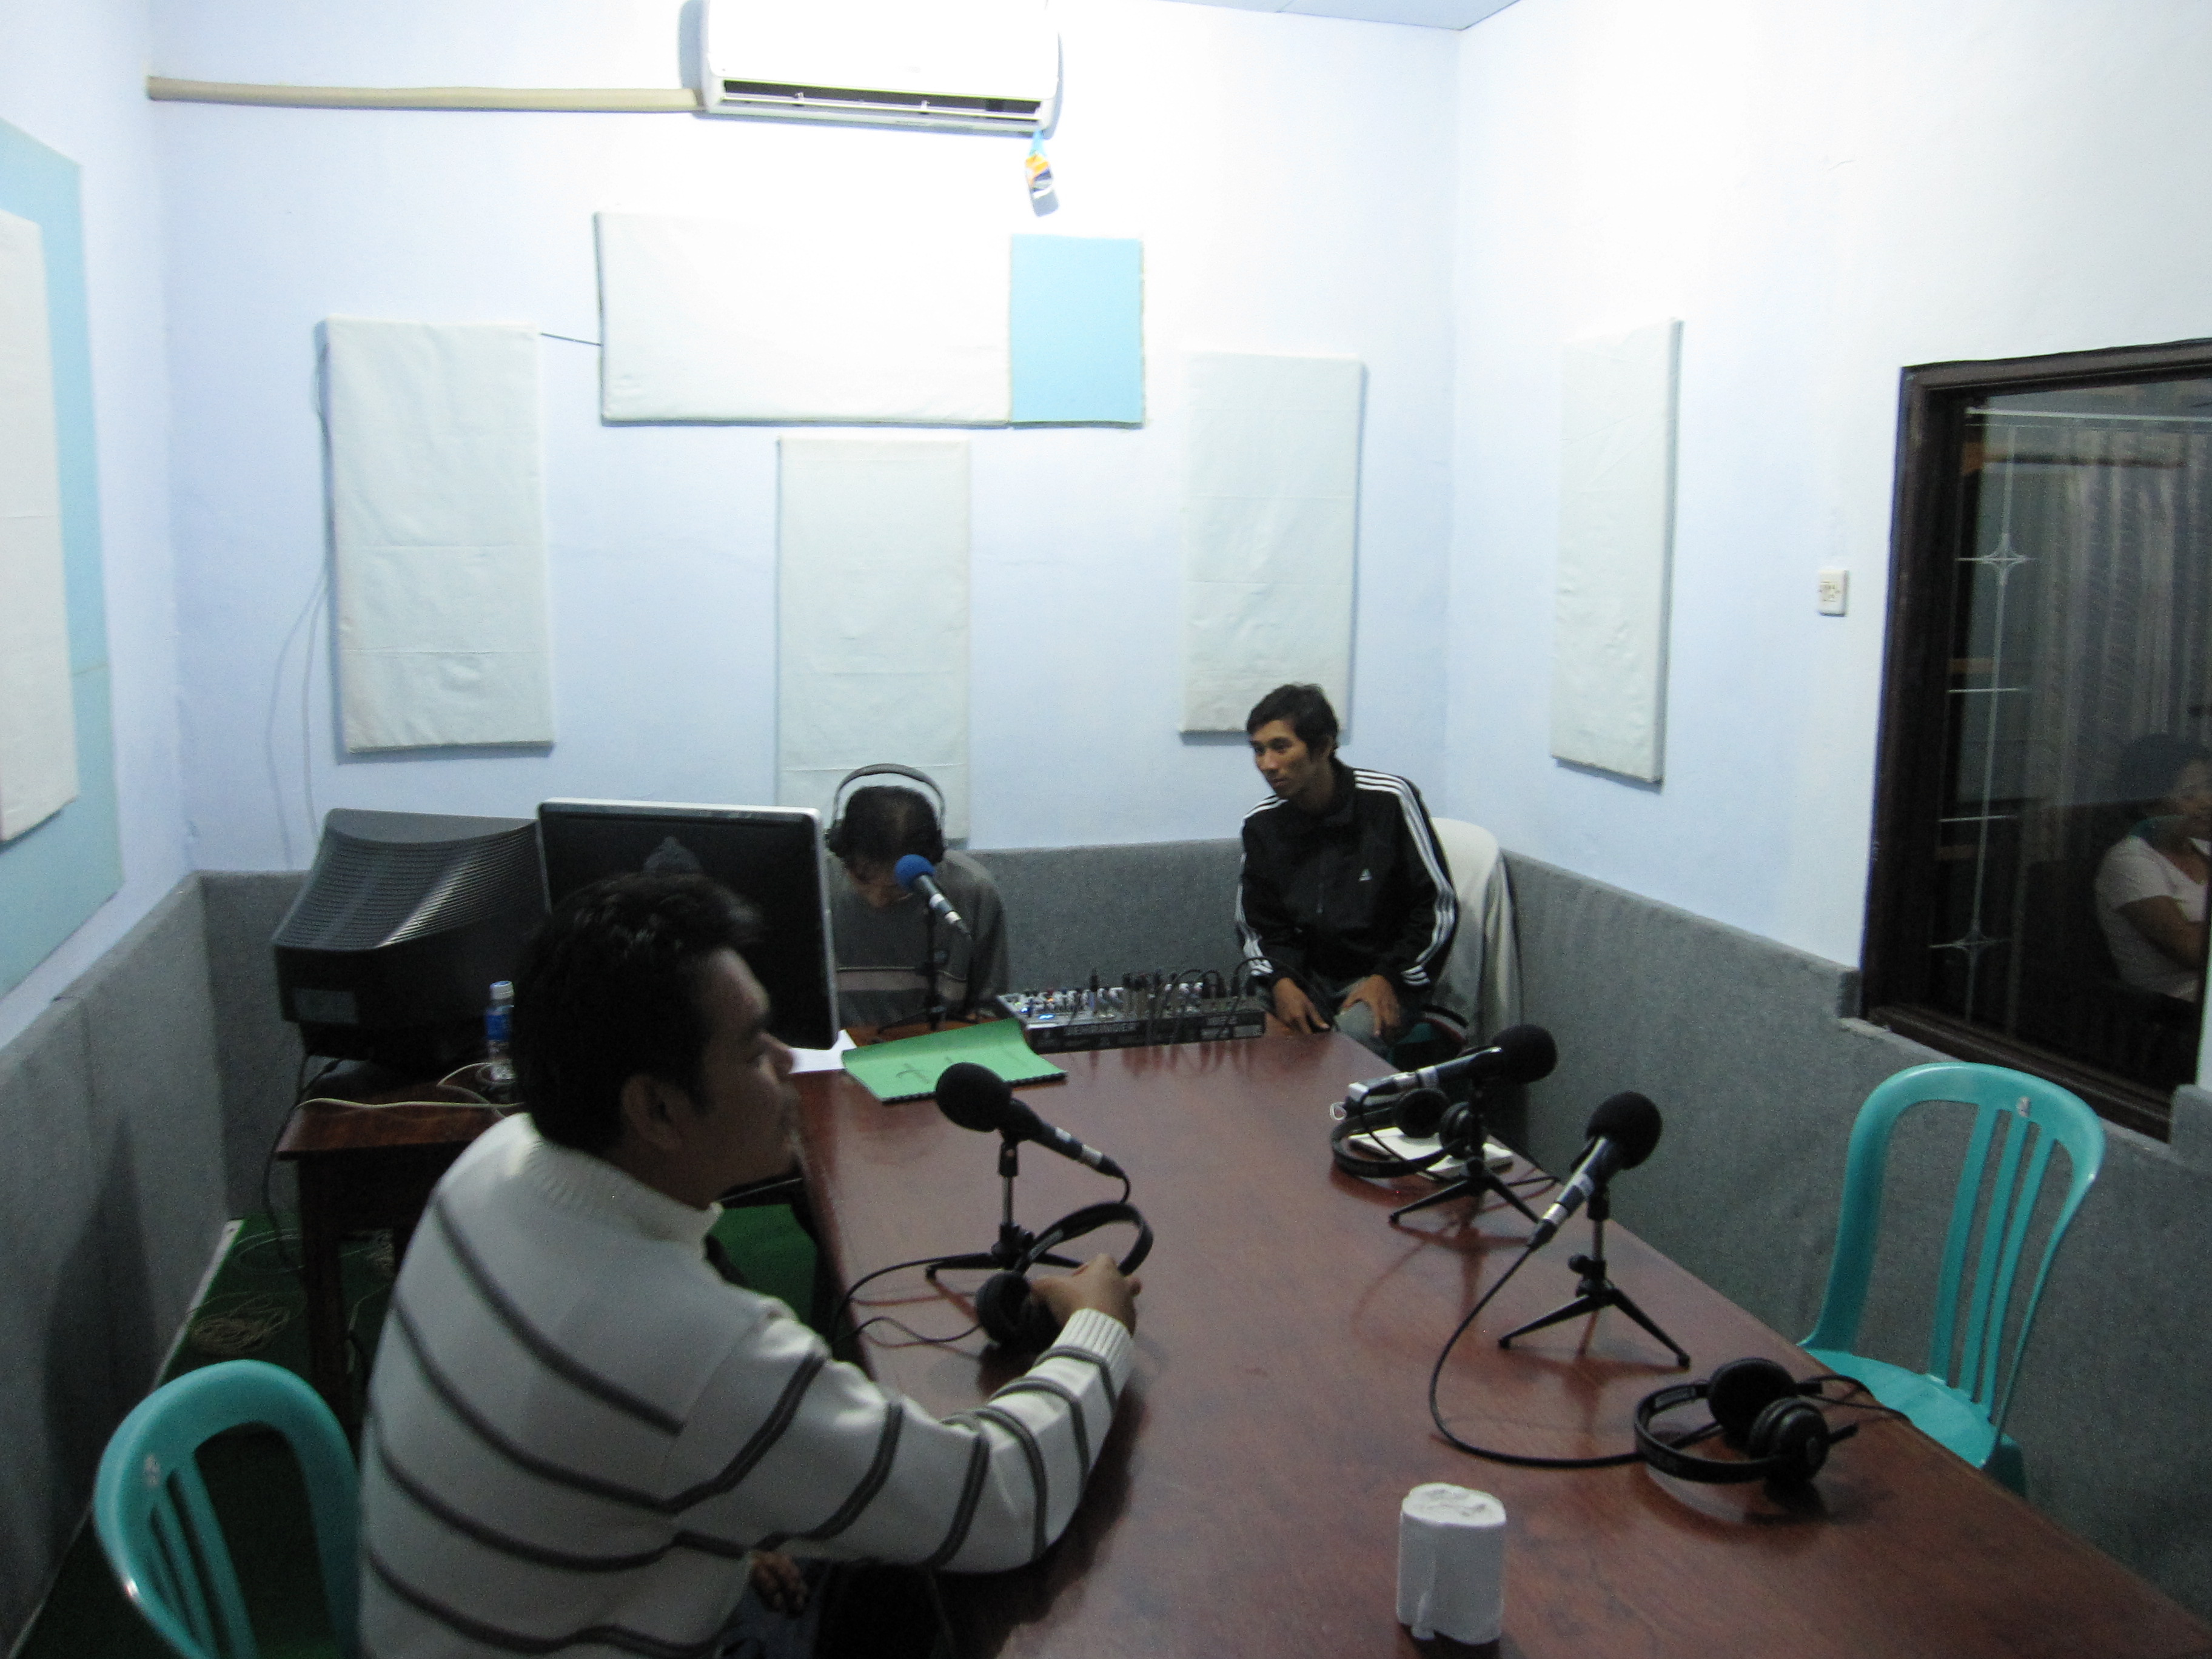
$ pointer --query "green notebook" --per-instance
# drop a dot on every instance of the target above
(908, 1068)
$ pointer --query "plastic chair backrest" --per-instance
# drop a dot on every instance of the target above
(150, 1506)
(1972, 1356)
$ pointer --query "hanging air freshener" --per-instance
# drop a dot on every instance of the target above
(1041, 198)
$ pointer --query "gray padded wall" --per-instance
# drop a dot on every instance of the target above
(112, 1208)
(260, 1053)
(1074, 911)
(55, 1408)
(1744, 1045)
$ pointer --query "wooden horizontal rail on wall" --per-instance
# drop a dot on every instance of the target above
(647, 100)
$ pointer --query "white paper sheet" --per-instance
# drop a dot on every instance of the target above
(831, 1059)
(706, 319)
(437, 505)
(1616, 536)
(1270, 522)
(38, 726)
(872, 615)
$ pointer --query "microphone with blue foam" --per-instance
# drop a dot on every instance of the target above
(918, 875)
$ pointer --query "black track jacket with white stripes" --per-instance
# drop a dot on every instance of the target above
(578, 1427)
(1361, 889)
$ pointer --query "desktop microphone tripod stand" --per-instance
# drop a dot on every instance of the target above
(1595, 1293)
(1015, 1242)
(1476, 1176)
(1469, 1181)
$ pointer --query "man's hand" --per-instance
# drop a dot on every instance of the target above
(778, 1582)
(1295, 1009)
(1097, 1284)
(1382, 1001)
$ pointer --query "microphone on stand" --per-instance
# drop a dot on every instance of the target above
(976, 1098)
(1519, 1053)
(1621, 1134)
(918, 875)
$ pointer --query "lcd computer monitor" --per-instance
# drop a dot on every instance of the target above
(768, 855)
(389, 953)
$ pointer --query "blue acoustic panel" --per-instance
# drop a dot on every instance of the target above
(54, 876)
(1078, 331)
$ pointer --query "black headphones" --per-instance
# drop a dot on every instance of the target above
(1759, 1408)
(833, 837)
(1418, 1114)
(1014, 1318)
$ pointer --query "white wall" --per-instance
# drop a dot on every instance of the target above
(1824, 194)
(1286, 174)
(73, 77)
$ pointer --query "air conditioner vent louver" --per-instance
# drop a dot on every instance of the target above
(1023, 109)
(953, 65)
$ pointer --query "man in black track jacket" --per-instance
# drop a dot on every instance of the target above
(1345, 908)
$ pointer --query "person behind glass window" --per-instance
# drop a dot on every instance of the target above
(2151, 886)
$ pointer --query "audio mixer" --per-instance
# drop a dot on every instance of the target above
(1143, 1009)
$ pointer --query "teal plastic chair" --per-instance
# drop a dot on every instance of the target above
(151, 1507)
(1978, 1330)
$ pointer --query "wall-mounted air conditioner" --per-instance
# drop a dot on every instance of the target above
(952, 65)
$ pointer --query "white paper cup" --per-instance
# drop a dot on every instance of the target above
(1451, 1563)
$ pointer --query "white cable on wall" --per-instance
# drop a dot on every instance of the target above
(615, 101)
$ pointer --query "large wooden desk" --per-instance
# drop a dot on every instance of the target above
(1247, 1501)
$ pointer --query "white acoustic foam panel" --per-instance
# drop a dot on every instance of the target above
(38, 726)
(1616, 536)
(725, 320)
(1270, 519)
(871, 614)
(438, 513)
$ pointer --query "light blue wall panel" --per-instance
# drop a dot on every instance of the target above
(1078, 330)
(52, 876)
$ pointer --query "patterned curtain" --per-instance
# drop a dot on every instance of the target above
(2115, 523)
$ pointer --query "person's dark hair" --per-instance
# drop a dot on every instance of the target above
(1305, 707)
(609, 988)
(2144, 774)
(885, 822)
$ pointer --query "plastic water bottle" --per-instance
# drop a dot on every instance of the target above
(499, 1064)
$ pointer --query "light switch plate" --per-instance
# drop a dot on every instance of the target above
(1835, 592)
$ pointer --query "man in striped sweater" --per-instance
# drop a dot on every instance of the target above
(1345, 907)
(580, 1429)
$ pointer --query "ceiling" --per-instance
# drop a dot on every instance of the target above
(1433, 13)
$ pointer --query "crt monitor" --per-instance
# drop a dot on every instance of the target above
(389, 953)
(771, 855)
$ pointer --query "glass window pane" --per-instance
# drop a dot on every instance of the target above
(2070, 860)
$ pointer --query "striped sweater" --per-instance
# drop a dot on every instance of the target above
(577, 1429)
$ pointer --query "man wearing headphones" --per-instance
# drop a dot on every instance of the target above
(895, 959)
